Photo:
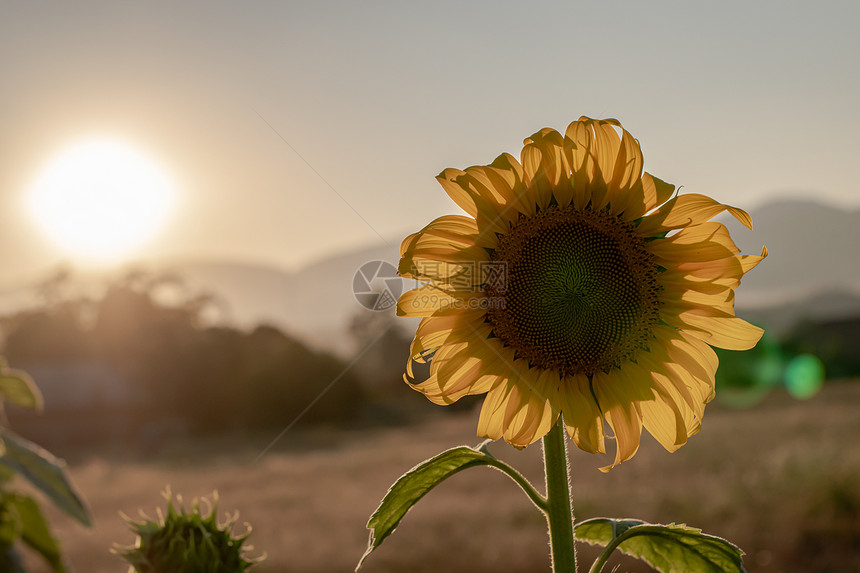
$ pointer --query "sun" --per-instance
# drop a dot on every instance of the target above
(100, 200)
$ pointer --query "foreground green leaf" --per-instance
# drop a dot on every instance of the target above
(10, 560)
(44, 471)
(414, 484)
(34, 530)
(669, 548)
(9, 529)
(18, 388)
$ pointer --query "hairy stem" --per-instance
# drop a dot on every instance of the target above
(559, 509)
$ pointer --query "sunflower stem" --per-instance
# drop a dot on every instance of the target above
(601, 560)
(559, 512)
(533, 494)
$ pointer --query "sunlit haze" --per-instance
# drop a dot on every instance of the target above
(100, 200)
(296, 131)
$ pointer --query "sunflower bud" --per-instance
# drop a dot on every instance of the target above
(183, 542)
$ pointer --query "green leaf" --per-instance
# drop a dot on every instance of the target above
(44, 471)
(18, 388)
(10, 561)
(9, 530)
(6, 474)
(34, 530)
(669, 548)
(414, 484)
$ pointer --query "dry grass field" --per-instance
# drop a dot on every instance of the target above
(782, 480)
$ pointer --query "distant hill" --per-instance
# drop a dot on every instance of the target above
(812, 271)
(813, 248)
(314, 303)
(820, 306)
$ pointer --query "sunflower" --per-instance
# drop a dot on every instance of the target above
(577, 286)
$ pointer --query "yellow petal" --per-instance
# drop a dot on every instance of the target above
(449, 247)
(656, 191)
(468, 342)
(529, 414)
(592, 149)
(620, 162)
(749, 262)
(458, 228)
(686, 210)
(582, 417)
(464, 199)
(580, 148)
(504, 198)
(661, 415)
(432, 301)
(461, 375)
(656, 362)
(617, 400)
(491, 420)
(702, 353)
(634, 206)
(680, 280)
(695, 365)
(706, 242)
(508, 175)
(628, 160)
(473, 198)
(667, 417)
(434, 331)
(608, 144)
(719, 305)
(731, 333)
(545, 166)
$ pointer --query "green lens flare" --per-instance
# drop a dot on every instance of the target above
(804, 376)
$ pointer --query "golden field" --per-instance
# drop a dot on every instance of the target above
(782, 480)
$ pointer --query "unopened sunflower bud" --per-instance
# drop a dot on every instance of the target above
(187, 542)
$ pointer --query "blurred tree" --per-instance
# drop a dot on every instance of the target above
(745, 378)
(284, 377)
(217, 379)
(834, 342)
(382, 352)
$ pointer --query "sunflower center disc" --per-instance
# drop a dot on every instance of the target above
(581, 293)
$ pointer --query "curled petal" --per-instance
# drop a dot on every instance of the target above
(546, 168)
(618, 395)
(473, 197)
(687, 210)
(729, 332)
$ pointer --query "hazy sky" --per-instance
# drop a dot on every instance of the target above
(744, 101)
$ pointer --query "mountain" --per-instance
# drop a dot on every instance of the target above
(812, 248)
(820, 306)
(315, 303)
(812, 271)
